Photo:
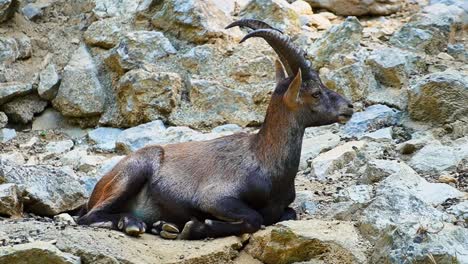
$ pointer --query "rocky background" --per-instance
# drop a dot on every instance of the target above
(84, 82)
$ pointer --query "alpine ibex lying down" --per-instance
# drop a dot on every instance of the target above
(229, 185)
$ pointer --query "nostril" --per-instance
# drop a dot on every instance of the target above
(350, 106)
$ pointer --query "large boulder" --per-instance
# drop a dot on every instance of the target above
(145, 96)
(22, 110)
(138, 47)
(80, 93)
(197, 21)
(50, 190)
(308, 240)
(278, 13)
(359, 7)
(339, 39)
(439, 97)
(106, 246)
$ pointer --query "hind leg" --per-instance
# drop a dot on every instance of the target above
(111, 201)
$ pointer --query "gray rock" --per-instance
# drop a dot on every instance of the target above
(417, 141)
(119, 8)
(196, 21)
(278, 13)
(460, 210)
(80, 93)
(434, 157)
(305, 202)
(359, 7)
(51, 190)
(137, 137)
(36, 252)
(378, 169)
(7, 134)
(108, 165)
(373, 118)
(458, 51)
(145, 96)
(64, 218)
(227, 128)
(11, 90)
(7, 9)
(381, 134)
(325, 164)
(138, 47)
(339, 39)
(49, 83)
(106, 33)
(392, 66)
(8, 50)
(104, 138)
(22, 110)
(448, 94)
(313, 146)
(24, 47)
(59, 147)
(308, 240)
(3, 120)
(15, 157)
(353, 81)
(356, 193)
(34, 11)
(49, 119)
(10, 204)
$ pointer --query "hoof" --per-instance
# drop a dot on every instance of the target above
(165, 230)
(132, 226)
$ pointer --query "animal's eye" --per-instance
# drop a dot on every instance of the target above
(316, 94)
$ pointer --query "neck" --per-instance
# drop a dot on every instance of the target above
(278, 143)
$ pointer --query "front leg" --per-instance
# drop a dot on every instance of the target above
(237, 219)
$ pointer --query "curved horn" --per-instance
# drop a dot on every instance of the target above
(252, 24)
(290, 55)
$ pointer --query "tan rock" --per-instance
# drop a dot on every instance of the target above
(302, 7)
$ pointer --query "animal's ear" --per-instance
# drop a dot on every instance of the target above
(280, 75)
(291, 97)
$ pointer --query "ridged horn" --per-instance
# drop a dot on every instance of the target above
(290, 55)
(252, 24)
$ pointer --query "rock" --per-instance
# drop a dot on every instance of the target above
(51, 190)
(11, 90)
(458, 51)
(339, 39)
(106, 33)
(417, 141)
(137, 137)
(447, 93)
(59, 147)
(379, 169)
(7, 9)
(328, 162)
(49, 83)
(308, 240)
(304, 202)
(145, 96)
(22, 110)
(119, 8)
(89, 163)
(353, 81)
(227, 128)
(64, 219)
(392, 66)
(49, 119)
(34, 11)
(356, 193)
(104, 138)
(278, 13)
(104, 246)
(213, 103)
(7, 134)
(381, 134)
(24, 47)
(429, 31)
(8, 50)
(373, 118)
(319, 21)
(460, 210)
(108, 165)
(434, 157)
(14, 157)
(36, 252)
(360, 7)
(138, 47)
(10, 205)
(80, 93)
(197, 21)
(302, 7)
(312, 147)
(3, 120)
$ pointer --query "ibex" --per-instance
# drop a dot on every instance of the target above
(226, 186)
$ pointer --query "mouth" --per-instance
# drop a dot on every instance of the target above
(343, 118)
